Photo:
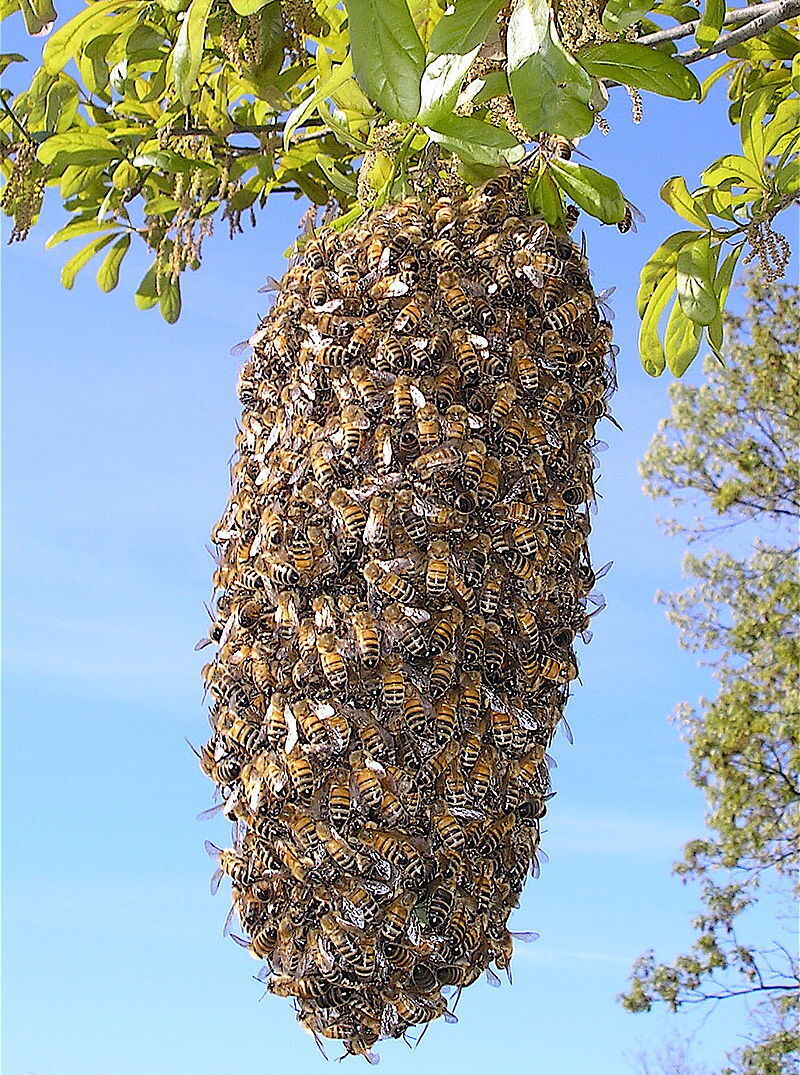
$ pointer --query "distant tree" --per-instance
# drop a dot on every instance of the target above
(673, 1057)
(730, 451)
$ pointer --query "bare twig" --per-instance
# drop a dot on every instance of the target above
(686, 29)
(779, 12)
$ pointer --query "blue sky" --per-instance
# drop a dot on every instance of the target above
(117, 433)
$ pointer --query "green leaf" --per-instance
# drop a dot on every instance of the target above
(464, 26)
(67, 41)
(598, 194)
(146, 294)
(650, 348)
(248, 7)
(166, 160)
(722, 284)
(477, 142)
(388, 56)
(38, 15)
(643, 67)
(681, 340)
(61, 104)
(169, 299)
(784, 125)
(618, 15)
(108, 273)
(787, 179)
(74, 229)
(754, 109)
(83, 257)
(440, 86)
(551, 91)
(188, 52)
(7, 58)
(426, 14)
(88, 146)
(710, 25)
(492, 84)
(663, 260)
(675, 193)
(323, 91)
(544, 199)
(733, 170)
(78, 178)
(695, 281)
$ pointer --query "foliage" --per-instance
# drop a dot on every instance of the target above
(731, 447)
(156, 118)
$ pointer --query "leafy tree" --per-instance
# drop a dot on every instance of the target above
(156, 118)
(730, 449)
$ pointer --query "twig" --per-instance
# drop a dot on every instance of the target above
(686, 29)
(779, 12)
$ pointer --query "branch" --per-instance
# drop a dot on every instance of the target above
(675, 33)
(778, 12)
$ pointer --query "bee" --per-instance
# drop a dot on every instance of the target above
(329, 355)
(444, 632)
(502, 730)
(368, 786)
(526, 624)
(445, 215)
(364, 335)
(353, 423)
(472, 653)
(567, 313)
(446, 386)
(377, 526)
(436, 348)
(391, 354)
(404, 396)
(331, 661)
(309, 723)
(244, 734)
(445, 249)
(284, 985)
(351, 514)
(302, 828)
(230, 863)
(514, 432)
(524, 366)
(466, 355)
(367, 390)
(414, 715)
(470, 697)
(412, 314)
(489, 484)
(406, 631)
(556, 398)
(437, 569)
(322, 467)
(389, 287)
(448, 830)
(428, 426)
(338, 850)
(276, 728)
(368, 643)
(395, 920)
(464, 594)
(300, 773)
(441, 674)
(338, 799)
(391, 584)
(445, 715)
(339, 939)
(393, 686)
(632, 214)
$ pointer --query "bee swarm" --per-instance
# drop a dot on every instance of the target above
(402, 571)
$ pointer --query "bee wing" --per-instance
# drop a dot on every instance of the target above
(604, 570)
(417, 396)
(330, 306)
(271, 285)
(212, 811)
(226, 929)
(527, 938)
(202, 645)
(239, 348)
(291, 723)
(492, 978)
(216, 881)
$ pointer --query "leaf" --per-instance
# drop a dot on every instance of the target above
(79, 178)
(492, 84)
(74, 229)
(751, 122)
(169, 299)
(551, 91)
(722, 284)
(108, 273)
(166, 160)
(598, 194)
(322, 92)
(618, 15)
(650, 347)
(675, 193)
(475, 141)
(662, 260)
(710, 25)
(426, 14)
(61, 104)
(7, 58)
(146, 294)
(440, 86)
(88, 146)
(695, 281)
(464, 26)
(38, 15)
(642, 67)
(248, 7)
(82, 257)
(785, 121)
(67, 41)
(787, 178)
(544, 199)
(681, 340)
(188, 52)
(733, 170)
(388, 56)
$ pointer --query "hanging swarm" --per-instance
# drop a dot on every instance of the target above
(402, 571)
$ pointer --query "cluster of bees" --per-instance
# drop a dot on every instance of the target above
(402, 570)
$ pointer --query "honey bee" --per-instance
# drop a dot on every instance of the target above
(467, 355)
(339, 939)
(414, 714)
(338, 799)
(567, 313)
(556, 398)
(412, 314)
(389, 287)
(368, 642)
(445, 215)
(444, 631)
(445, 717)
(300, 773)
(632, 214)
(472, 653)
(309, 722)
(525, 366)
(351, 514)
(391, 584)
(441, 674)
(406, 631)
(428, 426)
(367, 390)
(464, 594)
(377, 526)
(331, 661)
(364, 335)
(489, 483)
(393, 684)
(446, 386)
(395, 920)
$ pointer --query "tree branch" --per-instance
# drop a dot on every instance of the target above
(777, 13)
(686, 29)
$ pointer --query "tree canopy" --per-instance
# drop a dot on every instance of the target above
(156, 118)
(730, 449)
